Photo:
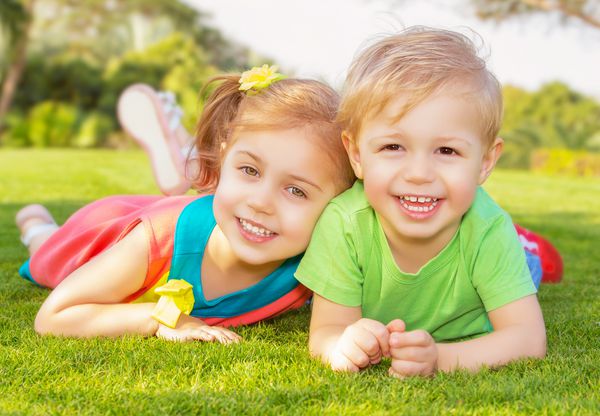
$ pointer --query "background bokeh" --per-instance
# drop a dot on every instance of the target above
(63, 63)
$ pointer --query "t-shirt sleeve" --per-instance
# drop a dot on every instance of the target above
(500, 272)
(329, 266)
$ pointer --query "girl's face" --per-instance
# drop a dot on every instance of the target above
(273, 186)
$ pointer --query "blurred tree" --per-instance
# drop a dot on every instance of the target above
(93, 31)
(552, 117)
(16, 18)
(587, 11)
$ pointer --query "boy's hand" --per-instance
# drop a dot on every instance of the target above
(363, 343)
(193, 329)
(414, 353)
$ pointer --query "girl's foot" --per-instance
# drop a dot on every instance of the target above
(153, 120)
(36, 225)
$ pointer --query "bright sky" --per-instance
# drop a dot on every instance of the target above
(318, 38)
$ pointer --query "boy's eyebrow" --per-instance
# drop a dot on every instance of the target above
(397, 135)
(296, 177)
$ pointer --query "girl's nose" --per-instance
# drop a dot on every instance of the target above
(261, 198)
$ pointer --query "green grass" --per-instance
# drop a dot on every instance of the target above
(270, 372)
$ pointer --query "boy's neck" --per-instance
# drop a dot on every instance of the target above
(411, 254)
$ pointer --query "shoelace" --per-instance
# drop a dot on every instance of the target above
(173, 112)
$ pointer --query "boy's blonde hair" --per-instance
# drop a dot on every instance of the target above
(414, 64)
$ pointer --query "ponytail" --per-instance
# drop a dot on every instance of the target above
(214, 128)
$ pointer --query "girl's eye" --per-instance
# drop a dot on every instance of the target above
(296, 192)
(249, 170)
(448, 151)
(392, 147)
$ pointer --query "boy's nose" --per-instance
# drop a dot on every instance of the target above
(418, 170)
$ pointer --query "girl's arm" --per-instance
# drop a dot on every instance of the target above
(89, 301)
(519, 332)
(342, 339)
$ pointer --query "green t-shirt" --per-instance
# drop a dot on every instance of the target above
(482, 268)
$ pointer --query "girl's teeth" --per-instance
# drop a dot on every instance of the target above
(254, 229)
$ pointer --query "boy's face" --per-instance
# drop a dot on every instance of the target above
(421, 172)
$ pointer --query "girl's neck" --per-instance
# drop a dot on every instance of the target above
(218, 252)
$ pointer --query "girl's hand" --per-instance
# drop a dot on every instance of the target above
(193, 329)
(414, 353)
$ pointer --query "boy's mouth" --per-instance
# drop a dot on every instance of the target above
(418, 203)
(255, 230)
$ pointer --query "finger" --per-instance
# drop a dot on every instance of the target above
(416, 354)
(396, 325)
(417, 338)
(339, 362)
(219, 335)
(366, 341)
(409, 368)
(227, 335)
(201, 334)
(380, 334)
(355, 354)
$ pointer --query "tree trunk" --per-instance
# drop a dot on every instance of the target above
(16, 67)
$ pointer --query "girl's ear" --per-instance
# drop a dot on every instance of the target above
(490, 158)
(351, 147)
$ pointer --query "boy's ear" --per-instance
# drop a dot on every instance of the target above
(490, 158)
(353, 154)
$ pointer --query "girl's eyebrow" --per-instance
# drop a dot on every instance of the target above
(295, 177)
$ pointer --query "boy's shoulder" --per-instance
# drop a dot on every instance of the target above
(483, 215)
(352, 200)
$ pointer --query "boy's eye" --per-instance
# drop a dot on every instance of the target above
(296, 192)
(249, 170)
(447, 151)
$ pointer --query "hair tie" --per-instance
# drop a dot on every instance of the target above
(258, 78)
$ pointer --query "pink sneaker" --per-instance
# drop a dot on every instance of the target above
(151, 119)
(552, 263)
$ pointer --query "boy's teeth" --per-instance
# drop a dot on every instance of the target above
(405, 199)
(255, 230)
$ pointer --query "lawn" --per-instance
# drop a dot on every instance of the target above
(271, 372)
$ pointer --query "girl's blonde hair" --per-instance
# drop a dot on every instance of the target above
(414, 64)
(288, 103)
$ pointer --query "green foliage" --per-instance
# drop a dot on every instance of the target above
(566, 162)
(94, 131)
(17, 131)
(176, 63)
(552, 117)
(270, 372)
(52, 124)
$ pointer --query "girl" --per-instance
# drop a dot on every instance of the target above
(269, 159)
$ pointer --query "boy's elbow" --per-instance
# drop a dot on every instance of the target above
(537, 344)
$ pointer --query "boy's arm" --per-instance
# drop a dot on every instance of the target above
(519, 332)
(342, 339)
(89, 302)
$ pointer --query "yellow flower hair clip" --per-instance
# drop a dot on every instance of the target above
(259, 78)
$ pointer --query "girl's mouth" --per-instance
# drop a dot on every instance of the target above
(255, 232)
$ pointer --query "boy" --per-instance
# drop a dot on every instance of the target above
(416, 262)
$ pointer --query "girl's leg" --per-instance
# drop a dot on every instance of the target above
(36, 225)
(153, 120)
